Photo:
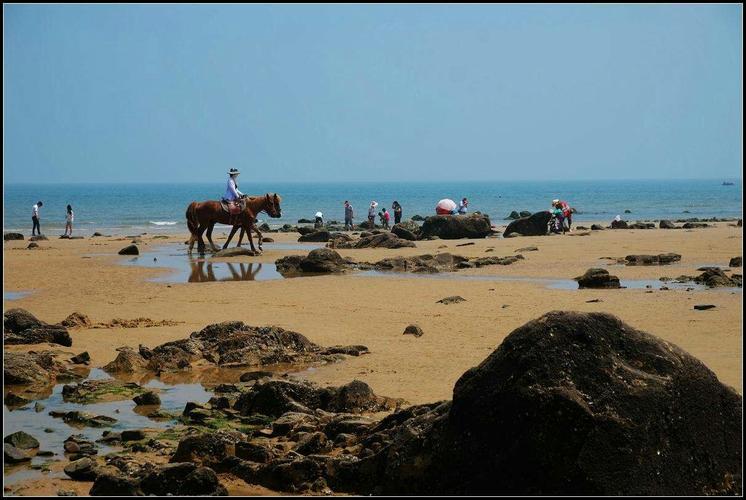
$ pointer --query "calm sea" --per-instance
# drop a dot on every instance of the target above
(137, 208)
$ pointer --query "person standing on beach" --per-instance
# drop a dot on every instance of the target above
(372, 215)
(35, 218)
(462, 206)
(348, 216)
(69, 221)
(385, 218)
(397, 212)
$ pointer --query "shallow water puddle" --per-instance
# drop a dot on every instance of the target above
(558, 284)
(201, 269)
(15, 295)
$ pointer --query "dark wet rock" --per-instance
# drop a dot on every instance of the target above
(666, 224)
(82, 418)
(597, 278)
(514, 215)
(32, 245)
(129, 250)
(113, 484)
(452, 227)
(38, 238)
(231, 343)
(413, 330)
(232, 252)
(454, 299)
(525, 213)
(207, 448)
(626, 408)
(93, 391)
(703, 307)
(642, 225)
(32, 368)
(127, 361)
(267, 239)
(619, 224)
(45, 334)
(713, 278)
(21, 440)
(320, 235)
(133, 435)
(13, 455)
(12, 236)
(319, 260)
(81, 359)
(407, 230)
(83, 469)
(597, 227)
(380, 240)
(311, 443)
(255, 375)
(535, 225)
(259, 451)
(652, 260)
(147, 398)
(695, 225)
(417, 218)
(735, 262)
(277, 397)
(350, 350)
(13, 400)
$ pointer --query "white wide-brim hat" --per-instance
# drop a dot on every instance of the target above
(555, 201)
(233, 171)
(373, 203)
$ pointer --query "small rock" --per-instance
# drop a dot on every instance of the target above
(413, 330)
(147, 398)
(14, 400)
(81, 359)
(13, 455)
(454, 299)
(703, 307)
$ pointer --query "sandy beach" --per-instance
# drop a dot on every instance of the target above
(86, 276)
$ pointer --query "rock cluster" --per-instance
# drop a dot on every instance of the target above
(597, 278)
(22, 327)
(452, 227)
(231, 343)
(652, 260)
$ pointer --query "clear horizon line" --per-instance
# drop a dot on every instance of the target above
(718, 179)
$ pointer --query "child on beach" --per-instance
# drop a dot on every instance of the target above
(372, 215)
(69, 221)
(385, 218)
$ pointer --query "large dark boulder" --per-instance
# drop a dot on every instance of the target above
(619, 224)
(535, 225)
(569, 404)
(129, 250)
(453, 227)
(12, 236)
(666, 224)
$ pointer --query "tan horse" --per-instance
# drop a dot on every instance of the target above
(202, 216)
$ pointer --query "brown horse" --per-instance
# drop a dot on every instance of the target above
(203, 216)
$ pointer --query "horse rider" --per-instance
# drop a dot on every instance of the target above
(233, 196)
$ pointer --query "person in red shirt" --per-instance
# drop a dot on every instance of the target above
(566, 213)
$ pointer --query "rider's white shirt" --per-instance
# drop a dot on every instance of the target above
(231, 193)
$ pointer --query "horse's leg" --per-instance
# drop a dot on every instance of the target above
(240, 236)
(230, 237)
(209, 236)
(248, 233)
(200, 242)
(258, 236)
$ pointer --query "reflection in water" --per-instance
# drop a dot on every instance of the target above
(205, 271)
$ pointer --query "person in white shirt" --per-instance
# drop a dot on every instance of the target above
(231, 190)
(372, 215)
(462, 206)
(319, 222)
(69, 221)
(35, 219)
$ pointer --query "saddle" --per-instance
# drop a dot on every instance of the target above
(233, 207)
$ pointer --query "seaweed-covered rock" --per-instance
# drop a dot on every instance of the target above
(534, 225)
(597, 278)
(453, 227)
(21, 440)
(379, 240)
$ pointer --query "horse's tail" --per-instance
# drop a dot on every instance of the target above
(191, 217)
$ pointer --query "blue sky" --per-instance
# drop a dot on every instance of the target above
(168, 93)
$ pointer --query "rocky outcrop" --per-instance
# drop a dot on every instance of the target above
(231, 343)
(13, 236)
(569, 404)
(319, 260)
(642, 225)
(666, 224)
(22, 327)
(453, 227)
(652, 260)
(35, 369)
(21, 440)
(407, 230)
(619, 224)
(380, 240)
(535, 225)
(714, 277)
(695, 225)
(597, 278)
(319, 235)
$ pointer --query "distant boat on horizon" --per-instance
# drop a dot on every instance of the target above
(728, 184)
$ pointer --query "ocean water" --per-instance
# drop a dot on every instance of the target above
(158, 208)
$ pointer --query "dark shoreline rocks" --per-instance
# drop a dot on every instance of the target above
(597, 278)
(22, 327)
(652, 260)
(534, 225)
(453, 227)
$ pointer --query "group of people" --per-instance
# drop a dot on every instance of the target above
(36, 227)
(561, 220)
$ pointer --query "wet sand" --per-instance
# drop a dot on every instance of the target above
(87, 276)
